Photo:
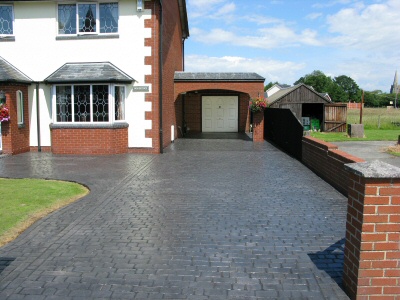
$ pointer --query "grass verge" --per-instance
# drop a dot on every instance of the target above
(370, 135)
(24, 201)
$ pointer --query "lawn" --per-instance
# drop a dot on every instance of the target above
(370, 135)
(24, 201)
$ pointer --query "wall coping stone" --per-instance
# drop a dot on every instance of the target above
(90, 126)
(373, 169)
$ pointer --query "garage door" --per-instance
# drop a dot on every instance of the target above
(220, 113)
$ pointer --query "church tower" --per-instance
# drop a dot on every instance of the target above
(395, 88)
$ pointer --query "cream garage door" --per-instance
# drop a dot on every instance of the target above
(220, 113)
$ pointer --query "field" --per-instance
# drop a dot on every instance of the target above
(380, 124)
(375, 118)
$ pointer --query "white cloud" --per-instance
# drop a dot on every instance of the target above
(264, 38)
(371, 27)
(314, 16)
(272, 70)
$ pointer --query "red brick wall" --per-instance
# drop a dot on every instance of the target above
(372, 250)
(172, 61)
(258, 126)
(15, 138)
(153, 79)
(328, 162)
(89, 141)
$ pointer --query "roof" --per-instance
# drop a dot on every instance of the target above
(89, 72)
(9, 73)
(283, 92)
(201, 76)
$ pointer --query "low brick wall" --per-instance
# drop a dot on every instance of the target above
(89, 139)
(327, 161)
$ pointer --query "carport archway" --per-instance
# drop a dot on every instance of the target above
(215, 102)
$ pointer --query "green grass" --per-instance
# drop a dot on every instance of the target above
(23, 201)
(370, 135)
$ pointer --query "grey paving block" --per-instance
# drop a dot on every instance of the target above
(209, 219)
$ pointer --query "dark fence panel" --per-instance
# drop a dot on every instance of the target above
(282, 129)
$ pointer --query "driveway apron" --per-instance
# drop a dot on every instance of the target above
(208, 219)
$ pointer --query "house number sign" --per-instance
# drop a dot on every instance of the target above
(142, 88)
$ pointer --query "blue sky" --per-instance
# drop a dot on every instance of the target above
(283, 40)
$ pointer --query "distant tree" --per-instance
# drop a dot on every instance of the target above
(350, 87)
(336, 93)
(318, 80)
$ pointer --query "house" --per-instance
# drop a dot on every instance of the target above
(102, 76)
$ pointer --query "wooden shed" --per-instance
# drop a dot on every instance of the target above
(312, 109)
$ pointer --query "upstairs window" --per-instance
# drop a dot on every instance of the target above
(6, 20)
(84, 18)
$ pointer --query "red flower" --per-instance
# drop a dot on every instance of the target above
(4, 113)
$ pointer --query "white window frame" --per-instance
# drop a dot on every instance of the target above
(12, 20)
(111, 103)
(20, 107)
(97, 32)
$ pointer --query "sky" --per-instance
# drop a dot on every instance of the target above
(283, 40)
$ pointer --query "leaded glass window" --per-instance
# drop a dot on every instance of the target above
(87, 17)
(100, 103)
(108, 17)
(66, 19)
(63, 104)
(89, 103)
(6, 20)
(82, 103)
(119, 97)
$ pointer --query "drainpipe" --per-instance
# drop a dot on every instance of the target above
(160, 106)
(183, 54)
(38, 117)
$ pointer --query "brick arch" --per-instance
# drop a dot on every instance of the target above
(253, 89)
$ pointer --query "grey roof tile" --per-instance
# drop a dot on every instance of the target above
(9, 73)
(203, 76)
(88, 72)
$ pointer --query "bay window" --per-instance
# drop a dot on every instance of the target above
(89, 103)
(84, 18)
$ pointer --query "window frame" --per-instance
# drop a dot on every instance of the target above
(111, 103)
(12, 21)
(98, 18)
(20, 107)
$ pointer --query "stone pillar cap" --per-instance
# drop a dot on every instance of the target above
(373, 169)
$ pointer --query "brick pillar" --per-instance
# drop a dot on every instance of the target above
(258, 126)
(372, 250)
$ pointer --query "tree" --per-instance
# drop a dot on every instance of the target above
(350, 87)
(336, 93)
(318, 80)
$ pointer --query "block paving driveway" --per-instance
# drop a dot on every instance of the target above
(208, 219)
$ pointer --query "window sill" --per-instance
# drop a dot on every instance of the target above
(87, 37)
(21, 125)
(89, 126)
(7, 39)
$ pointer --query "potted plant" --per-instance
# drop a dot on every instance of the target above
(4, 113)
(258, 104)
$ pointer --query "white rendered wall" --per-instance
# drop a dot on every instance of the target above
(37, 53)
